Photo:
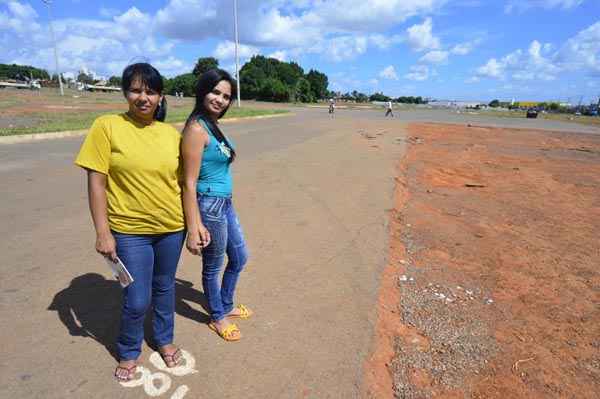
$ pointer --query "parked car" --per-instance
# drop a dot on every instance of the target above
(532, 113)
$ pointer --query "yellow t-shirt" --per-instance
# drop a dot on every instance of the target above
(142, 164)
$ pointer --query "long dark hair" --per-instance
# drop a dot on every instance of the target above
(206, 83)
(149, 77)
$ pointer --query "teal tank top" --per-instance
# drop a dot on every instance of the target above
(215, 177)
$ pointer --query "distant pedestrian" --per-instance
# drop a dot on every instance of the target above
(214, 229)
(133, 162)
(389, 109)
(331, 106)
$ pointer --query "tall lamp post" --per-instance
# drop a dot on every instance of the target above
(48, 3)
(237, 64)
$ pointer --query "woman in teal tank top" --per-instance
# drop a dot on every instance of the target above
(213, 228)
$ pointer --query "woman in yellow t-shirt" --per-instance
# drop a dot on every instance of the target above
(132, 162)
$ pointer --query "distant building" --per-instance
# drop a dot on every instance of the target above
(456, 104)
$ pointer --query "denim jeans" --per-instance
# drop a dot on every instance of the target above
(152, 261)
(226, 237)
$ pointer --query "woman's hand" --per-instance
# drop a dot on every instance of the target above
(107, 246)
(196, 240)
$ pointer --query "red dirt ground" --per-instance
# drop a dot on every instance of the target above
(516, 214)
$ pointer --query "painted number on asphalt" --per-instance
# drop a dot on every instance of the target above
(156, 384)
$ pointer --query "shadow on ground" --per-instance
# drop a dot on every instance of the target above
(91, 306)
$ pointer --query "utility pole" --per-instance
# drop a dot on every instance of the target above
(58, 74)
(237, 63)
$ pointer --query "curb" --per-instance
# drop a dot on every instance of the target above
(24, 138)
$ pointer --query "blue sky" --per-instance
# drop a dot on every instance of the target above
(462, 50)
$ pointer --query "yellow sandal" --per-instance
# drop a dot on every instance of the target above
(228, 334)
(244, 313)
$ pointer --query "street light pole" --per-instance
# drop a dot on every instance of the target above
(237, 64)
(48, 3)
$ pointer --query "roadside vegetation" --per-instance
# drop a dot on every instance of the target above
(565, 117)
(26, 112)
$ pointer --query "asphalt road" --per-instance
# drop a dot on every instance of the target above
(312, 194)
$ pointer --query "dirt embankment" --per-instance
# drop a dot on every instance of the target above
(493, 286)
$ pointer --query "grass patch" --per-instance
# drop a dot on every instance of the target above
(10, 102)
(63, 121)
(583, 119)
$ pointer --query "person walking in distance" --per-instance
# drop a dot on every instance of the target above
(388, 108)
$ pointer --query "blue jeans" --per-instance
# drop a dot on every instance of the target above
(152, 261)
(226, 237)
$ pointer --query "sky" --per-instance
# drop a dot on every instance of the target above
(472, 50)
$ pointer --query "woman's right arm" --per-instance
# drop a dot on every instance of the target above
(105, 242)
(192, 148)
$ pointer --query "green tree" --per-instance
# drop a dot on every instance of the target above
(251, 79)
(114, 81)
(494, 103)
(22, 72)
(379, 97)
(274, 90)
(205, 64)
(288, 73)
(185, 84)
(318, 83)
(304, 91)
(85, 78)
(360, 97)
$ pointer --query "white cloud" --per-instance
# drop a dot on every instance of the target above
(108, 12)
(172, 66)
(492, 69)
(105, 46)
(522, 6)
(388, 73)
(226, 51)
(418, 73)
(383, 42)
(435, 57)
(279, 55)
(464, 48)
(313, 25)
(580, 53)
(345, 47)
(22, 11)
(420, 37)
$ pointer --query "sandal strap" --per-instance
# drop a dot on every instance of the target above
(130, 371)
(172, 357)
(244, 311)
(229, 331)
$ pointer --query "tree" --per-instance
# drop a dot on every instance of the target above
(114, 81)
(359, 97)
(303, 91)
(288, 73)
(274, 90)
(269, 79)
(251, 79)
(85, 78)
(494, 103)
(379, 97)
(22, 72)
(205, 64)
(318, 83)
(185, 84)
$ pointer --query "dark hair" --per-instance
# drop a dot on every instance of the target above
(206, 83)
(149, 77)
